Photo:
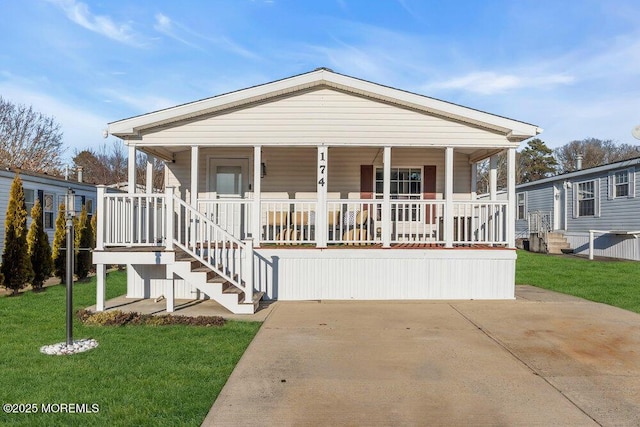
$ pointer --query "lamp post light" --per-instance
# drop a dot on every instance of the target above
(69, 214)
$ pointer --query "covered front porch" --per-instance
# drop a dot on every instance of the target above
(317, 197)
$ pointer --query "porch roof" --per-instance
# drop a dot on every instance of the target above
(513, 130)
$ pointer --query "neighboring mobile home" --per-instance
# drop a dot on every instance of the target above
(50, 190)
(317, 186)
(564, 208)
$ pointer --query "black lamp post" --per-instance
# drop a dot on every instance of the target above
(70, 213)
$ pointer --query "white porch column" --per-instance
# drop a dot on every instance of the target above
(194, 176)
(168, 232)
(101, 217)
(386, 198)
(474, 180)
(511, 197)
(321, 223)
(100, 289)
(131, 163)
(448, 197)
(256, 217)
(493, 177)
(149, 183)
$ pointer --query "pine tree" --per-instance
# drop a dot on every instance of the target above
(84, 236)
(16, 264)
(39, 249)
(60, 245)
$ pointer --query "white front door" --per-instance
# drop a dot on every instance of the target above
(559, 195)
(228, 179)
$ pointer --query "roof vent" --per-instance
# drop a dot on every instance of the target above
(323, 69)
(579, 162)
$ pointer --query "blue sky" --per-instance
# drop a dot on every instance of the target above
(570, 67)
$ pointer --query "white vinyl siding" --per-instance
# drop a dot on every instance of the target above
(293, 169)
(323, 116)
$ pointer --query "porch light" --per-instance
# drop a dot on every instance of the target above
(263, 170)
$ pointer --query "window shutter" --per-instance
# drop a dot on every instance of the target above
(632, 182)
(596, 195)
(429, 191)
(611, 185)
(575, 200)
(366, 181)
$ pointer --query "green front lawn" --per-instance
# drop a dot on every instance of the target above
(611, 282)
(138, 375)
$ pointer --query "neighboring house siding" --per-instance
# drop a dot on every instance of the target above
(323, 116)
(608, 245)
(299, 163)
(619, 213)
(537, 199)
(55, 187)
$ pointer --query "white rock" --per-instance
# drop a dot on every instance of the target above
(62, 348)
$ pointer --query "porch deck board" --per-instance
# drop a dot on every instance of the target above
(408, 245)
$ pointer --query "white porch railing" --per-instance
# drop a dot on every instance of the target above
(140, 220)
(134, 220)
(540, 222)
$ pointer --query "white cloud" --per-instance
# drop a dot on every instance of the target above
(184, 34)
(489, 83)
(79, 13)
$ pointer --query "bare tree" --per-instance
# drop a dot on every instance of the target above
(109, 165)
(29, 140)
(595, 152)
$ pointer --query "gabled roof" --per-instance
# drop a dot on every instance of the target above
(10, 172)
(322, 77)
(623, 164)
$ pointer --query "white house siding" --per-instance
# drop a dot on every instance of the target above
(377, 274)
(149, 281)
(323, 116)
(50, 185)
(293, 169)
(605, 245)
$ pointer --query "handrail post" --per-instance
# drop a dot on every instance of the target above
(102, 217)
(591, 232)
(168, 223)
(247, 272)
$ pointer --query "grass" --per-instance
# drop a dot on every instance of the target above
(611, 282)
(138, 375)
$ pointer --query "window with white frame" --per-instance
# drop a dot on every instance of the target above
(47, 210)
(621, 184)
(586, 198)
(406, 184)
(521, 201)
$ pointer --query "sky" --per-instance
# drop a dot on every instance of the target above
(571, 67)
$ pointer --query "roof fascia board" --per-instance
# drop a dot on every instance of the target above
(583, 172)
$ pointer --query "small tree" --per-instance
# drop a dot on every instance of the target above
(60, 245)
(16, 264)
(39, 249)
(84, 237)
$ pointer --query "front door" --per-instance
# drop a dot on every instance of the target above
(229, 181)
(559, 204)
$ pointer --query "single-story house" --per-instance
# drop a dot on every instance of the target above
(50, 190)
(565, 208)
(316, 186)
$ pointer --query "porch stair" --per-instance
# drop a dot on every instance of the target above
(556, 242)
(213, 285)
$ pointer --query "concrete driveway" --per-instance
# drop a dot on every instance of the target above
(545, 359)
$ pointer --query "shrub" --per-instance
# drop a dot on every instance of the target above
(60, 245)
(84, 242)
(16, 264)
(39, 249)
(120, 318)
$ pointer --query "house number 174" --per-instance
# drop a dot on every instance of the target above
(322, 169)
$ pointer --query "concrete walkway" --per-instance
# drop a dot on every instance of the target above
(544, 359)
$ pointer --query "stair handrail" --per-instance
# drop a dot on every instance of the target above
(196, 231)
